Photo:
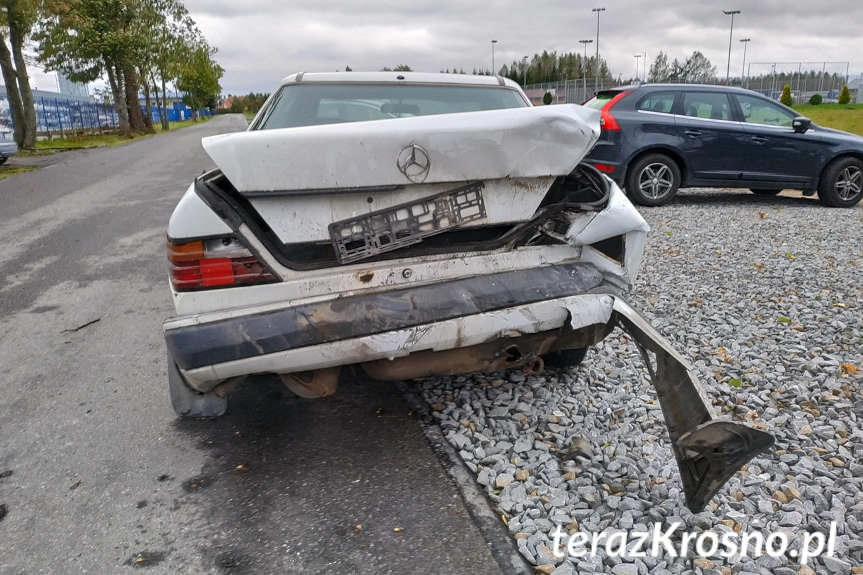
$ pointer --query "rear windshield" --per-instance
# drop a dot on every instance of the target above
(312, 104)
(601, 99)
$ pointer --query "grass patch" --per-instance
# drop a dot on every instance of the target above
(103, 140)
(847, 117)
(6, 171)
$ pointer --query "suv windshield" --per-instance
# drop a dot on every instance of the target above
(312, 104)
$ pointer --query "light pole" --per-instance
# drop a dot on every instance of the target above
(743, 71)
(597, 10)
(637, 58)
(730, 34)
(524, 71)
(493, 42)
(584, 74)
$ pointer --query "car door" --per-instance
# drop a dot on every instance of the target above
(706, 136)
(774, 154)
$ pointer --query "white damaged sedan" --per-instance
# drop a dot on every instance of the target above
(415, 225)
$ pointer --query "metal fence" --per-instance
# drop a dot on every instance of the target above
(804, 78)
(766, 78)
(58, 116)
(564, 92)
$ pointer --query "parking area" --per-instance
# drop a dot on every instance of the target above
(763, 295)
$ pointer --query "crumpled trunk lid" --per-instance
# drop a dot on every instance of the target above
(488, 145)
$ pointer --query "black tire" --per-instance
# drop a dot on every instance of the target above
(653, 180)
(765, 192)
(565, 357)
(187, 402)
(3, 160)
(841, 184)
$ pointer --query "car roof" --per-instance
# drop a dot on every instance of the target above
(680, 86)
(395, 77)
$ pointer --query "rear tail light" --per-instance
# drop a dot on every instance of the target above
(216, 262)
(607, 168)
(607, 121)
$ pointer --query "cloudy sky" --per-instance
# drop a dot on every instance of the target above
(261, 41)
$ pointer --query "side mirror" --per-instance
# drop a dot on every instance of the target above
(801, 124)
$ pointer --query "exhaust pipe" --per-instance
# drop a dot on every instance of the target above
(534, 366)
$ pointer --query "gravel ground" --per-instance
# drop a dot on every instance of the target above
(765, 297)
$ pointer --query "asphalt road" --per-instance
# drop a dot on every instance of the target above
(96, 473)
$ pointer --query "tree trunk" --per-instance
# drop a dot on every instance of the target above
(28, 138)
(148, 107)
(119, 99)
(10, 77)
(162, 111)
(166, 125)
(130, 81)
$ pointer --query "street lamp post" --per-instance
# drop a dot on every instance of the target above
(637, 58)
(730, 34)
(597, 10)
(584, 75)
(493, 42)
(743, 71)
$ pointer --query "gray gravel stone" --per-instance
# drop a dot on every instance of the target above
(764, 291)
(625, 569)
(835, 565)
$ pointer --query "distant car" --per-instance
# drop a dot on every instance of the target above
(657, 138)
(413, 225)
(7, 148)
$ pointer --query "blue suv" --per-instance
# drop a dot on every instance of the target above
(657, 138)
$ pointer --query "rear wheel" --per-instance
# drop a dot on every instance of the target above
(565, 357)
(841, 185)
(190, 403)
(765, 192)
(653, 180)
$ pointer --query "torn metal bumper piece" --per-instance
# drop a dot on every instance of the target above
(708, 450)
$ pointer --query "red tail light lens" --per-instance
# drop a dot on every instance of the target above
(217, 262)
(607, 121)
(608, 169)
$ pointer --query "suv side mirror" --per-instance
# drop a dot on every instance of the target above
(801, 124)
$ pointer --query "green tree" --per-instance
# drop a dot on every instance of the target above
(554, 67)
(137, 44)
(88, 38)
(786, 98)
(816, 99)
(167, 30)
(844, 95)
(199, 78)
(17, 18)
(695, 69)
(660, 70)
(547, 98)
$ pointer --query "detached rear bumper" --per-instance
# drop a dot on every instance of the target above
(389, 324)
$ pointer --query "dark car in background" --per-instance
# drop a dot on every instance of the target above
(657, 138)
(7, 148)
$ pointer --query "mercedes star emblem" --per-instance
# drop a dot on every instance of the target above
(414, 163)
